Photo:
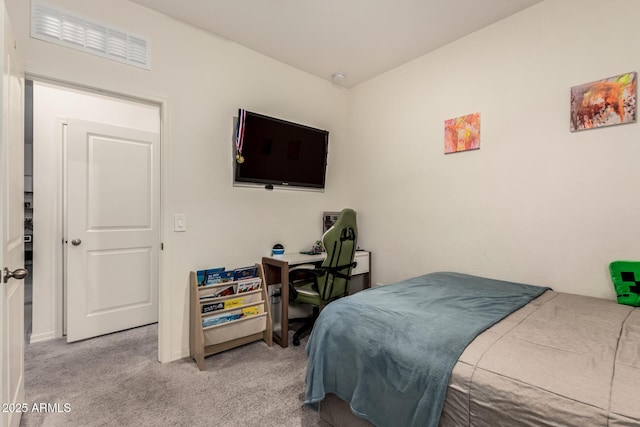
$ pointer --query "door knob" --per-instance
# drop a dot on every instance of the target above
(18, 273)
(76, 242)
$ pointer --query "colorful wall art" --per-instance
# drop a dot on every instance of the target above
(462, 133)
(605, 102)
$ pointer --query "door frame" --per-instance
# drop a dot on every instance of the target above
(164, 308)
(12, 349)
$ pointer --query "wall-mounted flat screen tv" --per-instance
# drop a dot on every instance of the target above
(276, 152)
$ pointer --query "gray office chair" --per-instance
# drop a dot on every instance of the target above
(318, 286)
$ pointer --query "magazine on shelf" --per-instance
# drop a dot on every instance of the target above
(245, 272)
(205, 276)
(251, 311)
(220, 277)
(208, 308)
(249, 285)
(236, 302)
(220, 318)
(223, 292)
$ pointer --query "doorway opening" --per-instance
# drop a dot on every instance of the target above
(53, 106)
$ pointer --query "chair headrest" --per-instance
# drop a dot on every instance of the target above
(344, 229)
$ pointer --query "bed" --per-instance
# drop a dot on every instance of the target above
(538, 358)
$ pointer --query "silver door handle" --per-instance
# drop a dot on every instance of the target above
(76, 242)
(18, 273)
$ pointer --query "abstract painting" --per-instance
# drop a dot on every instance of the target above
(605, 102)
(462, 133)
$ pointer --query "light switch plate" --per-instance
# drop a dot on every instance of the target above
(179, 222)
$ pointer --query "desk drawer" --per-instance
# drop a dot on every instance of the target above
(362, 258)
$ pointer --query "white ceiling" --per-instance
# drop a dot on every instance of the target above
(359, 38)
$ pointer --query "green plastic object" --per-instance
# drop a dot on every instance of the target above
(626, 281)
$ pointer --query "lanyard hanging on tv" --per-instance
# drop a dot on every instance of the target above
(242, 114)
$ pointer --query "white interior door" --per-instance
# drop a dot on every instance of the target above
(12, 232)
(112, 228)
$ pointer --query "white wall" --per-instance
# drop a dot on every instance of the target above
(52, 106)
(536, 203)
(202, 80)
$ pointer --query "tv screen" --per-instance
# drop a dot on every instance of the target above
(272, 152)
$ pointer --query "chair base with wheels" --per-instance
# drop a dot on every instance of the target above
(307, 325)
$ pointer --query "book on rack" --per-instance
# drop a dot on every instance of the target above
(208, 308)
(236, 302)
(206, 277)
(251, 311)
(223, 292)
(249, 285)
(220, 318)
(245, 272)
(220, 277)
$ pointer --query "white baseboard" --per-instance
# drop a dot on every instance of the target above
(47, 336)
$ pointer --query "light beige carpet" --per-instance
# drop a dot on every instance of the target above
(115, 380)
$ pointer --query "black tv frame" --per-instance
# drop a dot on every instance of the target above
(281, 182)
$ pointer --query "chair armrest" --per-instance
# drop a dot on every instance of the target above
(303, 275)
(304, 272)
(302, 267)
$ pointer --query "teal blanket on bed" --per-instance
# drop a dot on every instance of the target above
(389, 351)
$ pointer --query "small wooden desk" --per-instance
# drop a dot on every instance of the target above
(276, 271)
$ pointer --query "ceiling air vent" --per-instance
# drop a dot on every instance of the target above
(56, 26)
